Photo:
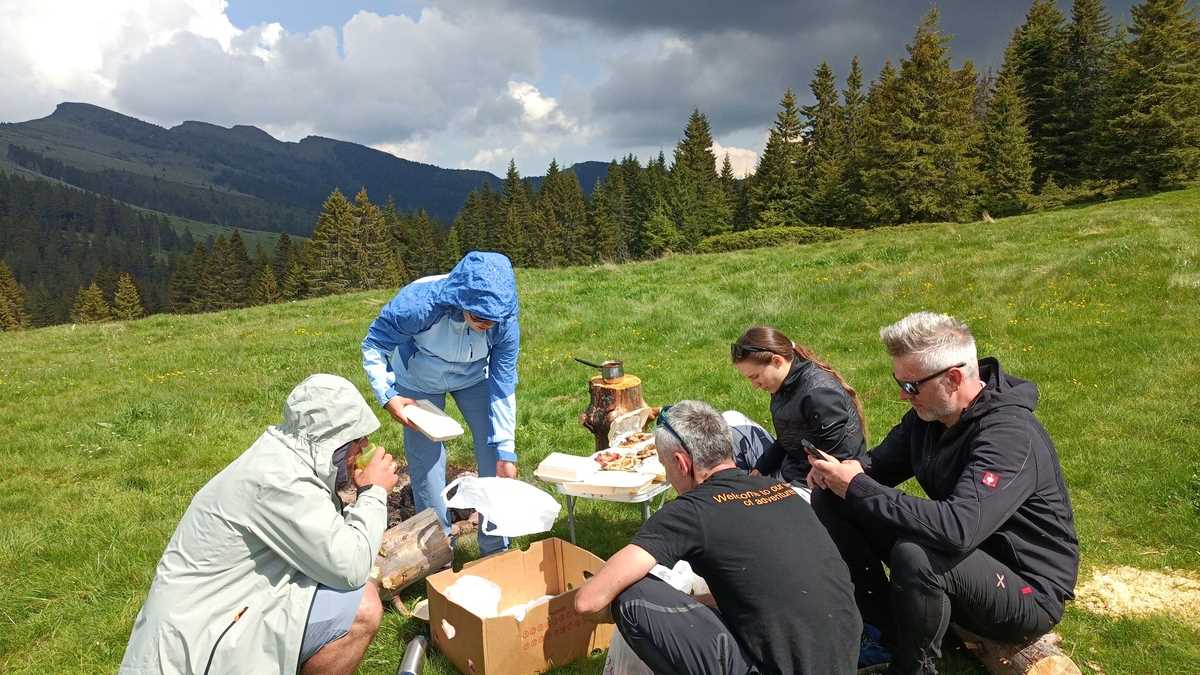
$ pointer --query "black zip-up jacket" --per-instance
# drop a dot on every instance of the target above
(810, 404)
(994, 484)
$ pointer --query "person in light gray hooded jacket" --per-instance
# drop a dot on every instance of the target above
(266, 572)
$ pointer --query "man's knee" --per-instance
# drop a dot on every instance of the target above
(370, 611)
(625, 606)
(911, 563)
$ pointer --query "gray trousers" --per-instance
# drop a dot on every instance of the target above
(675, 635)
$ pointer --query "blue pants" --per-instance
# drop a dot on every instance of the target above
(427, 459)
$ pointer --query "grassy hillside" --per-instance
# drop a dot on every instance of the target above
(108, 430)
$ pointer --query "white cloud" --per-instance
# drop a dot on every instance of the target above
(489, 159)
(743, 160)
(55, 51)
(416, 150)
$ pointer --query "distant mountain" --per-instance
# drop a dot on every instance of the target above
(239, 176)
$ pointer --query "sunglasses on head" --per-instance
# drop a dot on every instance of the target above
(913, 387)
(665, 423)
(740, 351)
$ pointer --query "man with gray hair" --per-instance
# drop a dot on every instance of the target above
(782, 594)
(994, 547)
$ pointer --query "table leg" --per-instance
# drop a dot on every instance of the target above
(571, 517)
(645, 510)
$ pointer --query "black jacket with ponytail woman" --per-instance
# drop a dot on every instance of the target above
(809, 401)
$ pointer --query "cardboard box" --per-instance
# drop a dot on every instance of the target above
(550, 635)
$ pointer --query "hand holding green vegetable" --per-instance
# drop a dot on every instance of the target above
(374, 466)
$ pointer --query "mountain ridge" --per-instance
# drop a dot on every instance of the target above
(237, 176)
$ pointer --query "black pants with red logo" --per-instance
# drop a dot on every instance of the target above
(927, 588)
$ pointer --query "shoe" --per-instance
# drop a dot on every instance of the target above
(873, 657)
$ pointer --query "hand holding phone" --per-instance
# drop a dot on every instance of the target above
(814, 453)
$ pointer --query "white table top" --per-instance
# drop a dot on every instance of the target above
(645, 495)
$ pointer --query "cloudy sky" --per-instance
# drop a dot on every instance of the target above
(467, 84)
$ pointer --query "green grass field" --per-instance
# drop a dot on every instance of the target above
(108, 430)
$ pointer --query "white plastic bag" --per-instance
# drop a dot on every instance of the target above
(477, 595)
(507, 507)
(622, 660)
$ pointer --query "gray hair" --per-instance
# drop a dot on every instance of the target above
(938, 340)
(703, 430)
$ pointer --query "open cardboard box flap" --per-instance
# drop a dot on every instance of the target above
(551, 634)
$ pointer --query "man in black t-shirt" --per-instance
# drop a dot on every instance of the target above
(782, 595)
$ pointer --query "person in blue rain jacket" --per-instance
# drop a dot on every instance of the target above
(452, 334)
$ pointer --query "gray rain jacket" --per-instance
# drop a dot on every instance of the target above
(233, 588)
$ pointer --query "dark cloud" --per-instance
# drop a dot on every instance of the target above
(733, 61)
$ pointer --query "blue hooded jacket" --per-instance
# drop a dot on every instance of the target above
(420, 341)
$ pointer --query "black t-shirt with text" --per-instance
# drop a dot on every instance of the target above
(779, 582)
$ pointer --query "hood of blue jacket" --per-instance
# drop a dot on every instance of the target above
(482, 284)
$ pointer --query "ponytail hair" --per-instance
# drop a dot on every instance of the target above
(763, 342)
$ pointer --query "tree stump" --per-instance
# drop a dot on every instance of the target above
(1039, 657)
(611, 399)
(411, 551)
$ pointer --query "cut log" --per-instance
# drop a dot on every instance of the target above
(1038, 657)
(411, 551)
(610, 400)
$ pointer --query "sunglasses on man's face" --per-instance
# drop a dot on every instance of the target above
(913, 387)
(665, 423)
(740, 351)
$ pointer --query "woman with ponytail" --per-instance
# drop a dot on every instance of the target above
(809, 401)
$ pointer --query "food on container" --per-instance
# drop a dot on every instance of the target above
(647, 452)
(635, 438)
(621, 463)
(606, 457)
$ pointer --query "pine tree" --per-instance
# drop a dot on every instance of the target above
(650, 197)
(921, 123)
(777, 195)
(743, 217)
(294, 281)
(636, 203)
(209, 290)
(235, 274)
(1085, 83)
(466, 225)
(660, 235)
(1153, 114)
(329, 249)
(728, 181)
(851, 211)
(13, 312)
(265, 290)
(515, 212)
(606, 230)
(424, 256)
(825, 155)
(90, 306)
(1007, 161)
(1040, 51)
(127, 302)
(373, 262)
(283, 255)
(452, 250)
(185, 280)
(698, 203)
(612, 209)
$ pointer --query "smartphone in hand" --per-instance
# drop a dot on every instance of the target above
(814, 453)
